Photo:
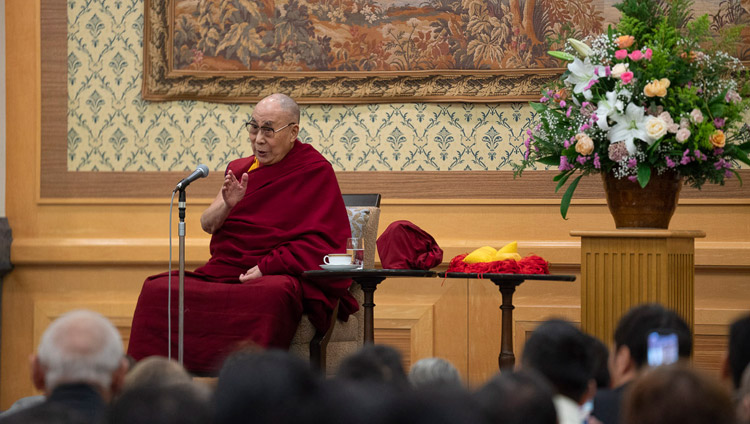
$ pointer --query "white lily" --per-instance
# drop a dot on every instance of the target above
(605, 108)
(581, 73)
(628, 127)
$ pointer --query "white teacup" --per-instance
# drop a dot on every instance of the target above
(338, 259)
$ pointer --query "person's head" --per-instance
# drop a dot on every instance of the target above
(437, 405)
(521, 397)
(174, 403)
(80, 347)
(600, 359)
(676, 394)
(273, 128)
(263, 387)
(743, 398)
(374, 364)
(46, 413)
(434, 371)
(738, 355)
(560, 352)
(631, 339)
(153, 371)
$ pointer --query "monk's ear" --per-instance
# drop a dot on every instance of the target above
(295, 132)
(37, 373)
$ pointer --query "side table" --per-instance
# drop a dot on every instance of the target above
(507, 284)
(369, 279)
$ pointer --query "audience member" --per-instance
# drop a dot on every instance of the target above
(430, 372)
(629, 356)
(79, 365)
(153, 371)
(263, 387)
(439, 405)
(738, 355)
(161, 403)
(561, 353)
(676, 394)
(743, 399)
(521, 397)
(375, 364)
(46, 413)
(600, 362)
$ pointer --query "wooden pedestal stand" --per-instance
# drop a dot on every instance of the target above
(624, 268)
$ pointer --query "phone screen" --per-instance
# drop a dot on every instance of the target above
(662, 349)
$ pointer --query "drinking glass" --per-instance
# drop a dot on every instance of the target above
(356, 247)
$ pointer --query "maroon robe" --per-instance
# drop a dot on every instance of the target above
(291, 216)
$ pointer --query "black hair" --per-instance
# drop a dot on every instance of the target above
(522, 397)
(640, 321)
(378, 364)
(560, 352)
(263, 387)
(739, 349)
(177, 403)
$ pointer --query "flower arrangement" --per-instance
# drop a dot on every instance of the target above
(655, 95)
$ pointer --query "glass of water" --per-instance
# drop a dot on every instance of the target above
(356, 247)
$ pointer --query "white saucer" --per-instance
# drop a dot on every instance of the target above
(339, 267)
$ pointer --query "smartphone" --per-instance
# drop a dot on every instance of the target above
(662, 348)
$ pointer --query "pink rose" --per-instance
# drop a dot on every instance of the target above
(682, 135)
(621, 54)
(666, 117)
(696, 116)
(647, 54)
(626, 77)
(636, 55)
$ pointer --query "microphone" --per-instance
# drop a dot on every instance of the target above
(200, 172)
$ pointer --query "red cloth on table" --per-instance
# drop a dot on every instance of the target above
(291, 216)
(531, 264)
(403, 245)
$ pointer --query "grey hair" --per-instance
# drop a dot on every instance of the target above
(81, 346)
(434, 371)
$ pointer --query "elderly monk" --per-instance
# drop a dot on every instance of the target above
(277, 214)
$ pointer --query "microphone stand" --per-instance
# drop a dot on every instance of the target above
(181, 313)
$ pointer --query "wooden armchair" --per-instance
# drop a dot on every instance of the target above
(326, 350)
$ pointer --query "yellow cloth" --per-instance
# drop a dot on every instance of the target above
(254, 165)
(489, 254)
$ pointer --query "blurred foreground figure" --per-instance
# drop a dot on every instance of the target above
(676, 394)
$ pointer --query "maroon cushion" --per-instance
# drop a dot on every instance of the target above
(403, 245)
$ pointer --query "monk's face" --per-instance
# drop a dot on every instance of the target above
(272, 132)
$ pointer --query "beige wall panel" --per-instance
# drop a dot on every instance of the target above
(408, 328)
(448, 300)
(33, 297)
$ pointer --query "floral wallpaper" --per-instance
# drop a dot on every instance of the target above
(111, 128)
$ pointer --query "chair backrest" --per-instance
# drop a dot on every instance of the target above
(363, 211)
(370, 199)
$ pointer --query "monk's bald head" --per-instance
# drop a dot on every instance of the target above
(284, 103)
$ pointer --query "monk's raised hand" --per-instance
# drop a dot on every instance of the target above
(251, 274)
(233, 190)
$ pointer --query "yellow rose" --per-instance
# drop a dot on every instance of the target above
(718, 139)
(655, 127)
(584, 144)
(625, 41)
(656, 88)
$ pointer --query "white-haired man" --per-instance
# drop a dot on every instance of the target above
(79, 364)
